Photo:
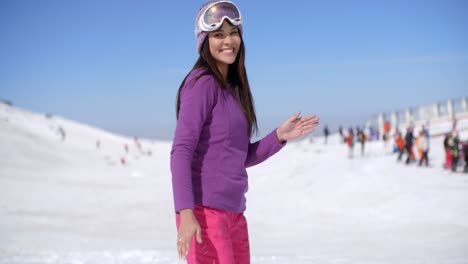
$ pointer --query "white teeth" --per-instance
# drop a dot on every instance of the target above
(228, 50)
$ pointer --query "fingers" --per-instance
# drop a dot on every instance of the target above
(311, 118)
(187, 229)
(305, 120)
(309, 127)
(295, 117)
(199, 237)
(185, 240)
(183, 246)
(306, 131)
(308, 124)
(310, 121)
(180, 249)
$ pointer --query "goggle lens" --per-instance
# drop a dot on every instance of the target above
(215, 15)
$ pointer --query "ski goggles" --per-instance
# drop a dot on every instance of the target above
(213, 16)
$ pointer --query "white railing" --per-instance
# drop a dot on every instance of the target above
(422, 115)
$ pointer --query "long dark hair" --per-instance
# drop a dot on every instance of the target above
(237, 78)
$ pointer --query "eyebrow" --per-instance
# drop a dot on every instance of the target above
(232, 29)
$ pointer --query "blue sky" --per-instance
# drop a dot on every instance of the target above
(118, 64)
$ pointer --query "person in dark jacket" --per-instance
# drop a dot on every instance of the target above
(326, 132)
(448, 151)
(362, 139)
(409, 140)
(454, 145)
(340, 130)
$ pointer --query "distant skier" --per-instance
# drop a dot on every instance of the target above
(423, 148)
(340, 130)
(400, 144)
(465, 154)
(362, 140)
(350, 142)
(137, 143)
(454, 122)
(372, 133)
(454, 145)
(326, 132)
(409, 141)
(448, 151)
(426, 132)
(387, 126)
(62, 133)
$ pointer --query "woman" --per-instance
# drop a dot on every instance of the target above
(211, 148)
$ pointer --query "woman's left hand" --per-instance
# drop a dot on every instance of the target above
(296, 126)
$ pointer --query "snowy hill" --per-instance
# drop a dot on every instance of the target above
(64, 198)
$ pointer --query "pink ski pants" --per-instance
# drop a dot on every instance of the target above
(225, 238)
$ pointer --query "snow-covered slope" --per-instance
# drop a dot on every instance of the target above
(64, 200)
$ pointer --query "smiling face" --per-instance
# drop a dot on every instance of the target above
(224, 46)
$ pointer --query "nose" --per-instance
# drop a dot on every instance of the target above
(228, 39)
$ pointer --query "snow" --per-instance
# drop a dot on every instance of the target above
(71, 202)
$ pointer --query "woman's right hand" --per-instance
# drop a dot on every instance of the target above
(188, 227)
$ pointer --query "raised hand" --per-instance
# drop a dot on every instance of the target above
(296, 126)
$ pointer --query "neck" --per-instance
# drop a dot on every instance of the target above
(223, 69)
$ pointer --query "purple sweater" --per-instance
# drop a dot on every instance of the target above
(211, 148)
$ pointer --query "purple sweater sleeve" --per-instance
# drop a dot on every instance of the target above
(197, 99)
(263, 149)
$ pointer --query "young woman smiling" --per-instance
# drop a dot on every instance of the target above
(212, 149)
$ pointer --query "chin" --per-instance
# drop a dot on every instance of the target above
(230, 60)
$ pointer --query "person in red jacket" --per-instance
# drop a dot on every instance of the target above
(350, 142)
(400, 144)
(448, 151)
(386, 135)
